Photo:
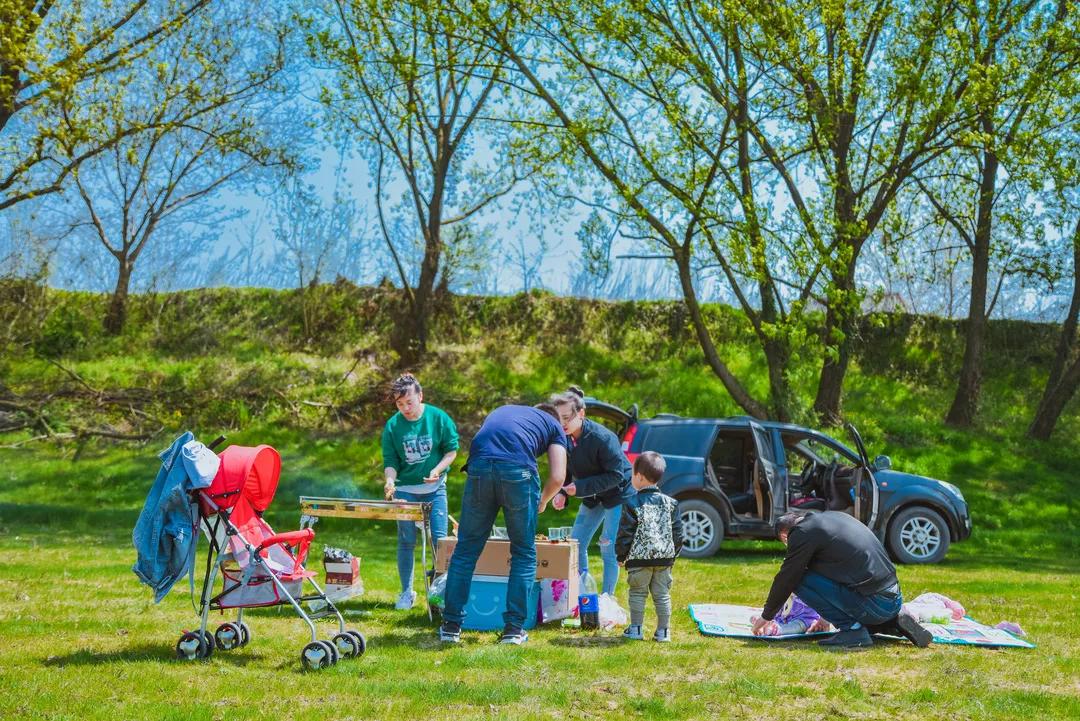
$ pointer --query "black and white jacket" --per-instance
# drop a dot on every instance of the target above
(650, 532)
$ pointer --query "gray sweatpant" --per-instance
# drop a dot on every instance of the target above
(644, 580)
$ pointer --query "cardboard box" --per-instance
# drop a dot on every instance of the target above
(348, 568)
(487, 602)
(554, 559)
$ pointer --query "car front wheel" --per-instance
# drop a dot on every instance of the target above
(918, 535)
(702, 528)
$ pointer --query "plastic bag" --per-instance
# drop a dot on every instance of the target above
(555, 600)
(611, 613)
(436, 591)
(336, 555)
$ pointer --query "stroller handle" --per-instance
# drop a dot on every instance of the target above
(216, 442)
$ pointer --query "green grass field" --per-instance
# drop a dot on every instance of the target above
(81, 639)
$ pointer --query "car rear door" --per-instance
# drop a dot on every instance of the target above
(772, 469)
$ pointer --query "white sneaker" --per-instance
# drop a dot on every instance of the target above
(662, 635)
(405, 600)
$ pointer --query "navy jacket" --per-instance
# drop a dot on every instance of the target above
(599, 468)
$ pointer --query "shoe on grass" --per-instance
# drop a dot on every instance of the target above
(633, 633)
(450, 632)
(513, 635)
(405, 600)
(913, 631)
(853, 638)
(662, 635)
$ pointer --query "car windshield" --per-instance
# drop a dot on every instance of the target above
(824, 452)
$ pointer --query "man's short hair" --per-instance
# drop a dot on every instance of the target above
(549, 409)
(786, 522)
(651, 465)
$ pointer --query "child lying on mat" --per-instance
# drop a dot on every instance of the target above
(794, 618)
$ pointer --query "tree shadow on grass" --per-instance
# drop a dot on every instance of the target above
(156, 653)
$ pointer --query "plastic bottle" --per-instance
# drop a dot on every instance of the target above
(588, 603)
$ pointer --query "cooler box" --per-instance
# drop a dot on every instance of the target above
(487, 603)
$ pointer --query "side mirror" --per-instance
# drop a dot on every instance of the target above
(882, 463)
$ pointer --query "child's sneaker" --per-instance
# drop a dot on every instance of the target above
(633, 633)
(514, 635)
(450, 632)
(405, 600)
(662, 635)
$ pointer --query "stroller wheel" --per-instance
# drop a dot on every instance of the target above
(347, 645)
(208, 638)
(229, 636)
(360, 640)
(316, 655)
(334, 655)
(245, 633)
(192, 645)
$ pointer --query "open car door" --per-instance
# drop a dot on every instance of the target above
(770, 476)
(615, 418)
(864, 484)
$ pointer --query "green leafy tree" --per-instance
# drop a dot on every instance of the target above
(185, 153)
(61, 65)
(1021, 57)
(412, 86)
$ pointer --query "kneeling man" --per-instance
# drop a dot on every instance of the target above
(837, 566)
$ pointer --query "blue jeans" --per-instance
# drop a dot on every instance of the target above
(492, 486)
(407, 530)
(586, 523)
(843, 607)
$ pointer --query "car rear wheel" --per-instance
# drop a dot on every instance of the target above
(918, 535)
(702, 527)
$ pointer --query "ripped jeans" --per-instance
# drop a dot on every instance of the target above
(586, 524)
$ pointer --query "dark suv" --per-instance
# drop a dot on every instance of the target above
(735, 476)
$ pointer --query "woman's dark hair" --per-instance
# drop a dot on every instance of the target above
(403, 384)
(573, 397)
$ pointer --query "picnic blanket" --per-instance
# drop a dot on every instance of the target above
(721, 619)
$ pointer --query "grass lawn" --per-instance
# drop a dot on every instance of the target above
(81, 639)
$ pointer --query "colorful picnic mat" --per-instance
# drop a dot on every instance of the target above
(721, 619)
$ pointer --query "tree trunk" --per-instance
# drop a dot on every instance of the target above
(965, 404)
(117, 312)
(839, 321)
(1062, 383)
(411, 340)
(781, 395)
(1054, 401)
(738, 393)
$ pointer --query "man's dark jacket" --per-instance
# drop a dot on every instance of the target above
(838, 547)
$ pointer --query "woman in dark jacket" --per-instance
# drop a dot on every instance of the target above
(599, 475)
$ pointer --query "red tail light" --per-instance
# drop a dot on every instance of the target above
(628, 440)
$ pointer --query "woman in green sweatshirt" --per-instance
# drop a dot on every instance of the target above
(419, 443)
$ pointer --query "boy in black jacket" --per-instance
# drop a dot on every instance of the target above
(650, 538)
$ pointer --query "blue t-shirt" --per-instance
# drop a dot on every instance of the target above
(516, 434)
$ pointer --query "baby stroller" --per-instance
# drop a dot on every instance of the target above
(257, 566)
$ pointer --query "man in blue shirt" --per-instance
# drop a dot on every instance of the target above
(502, 475)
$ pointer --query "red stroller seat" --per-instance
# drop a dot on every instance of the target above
(258, 567)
